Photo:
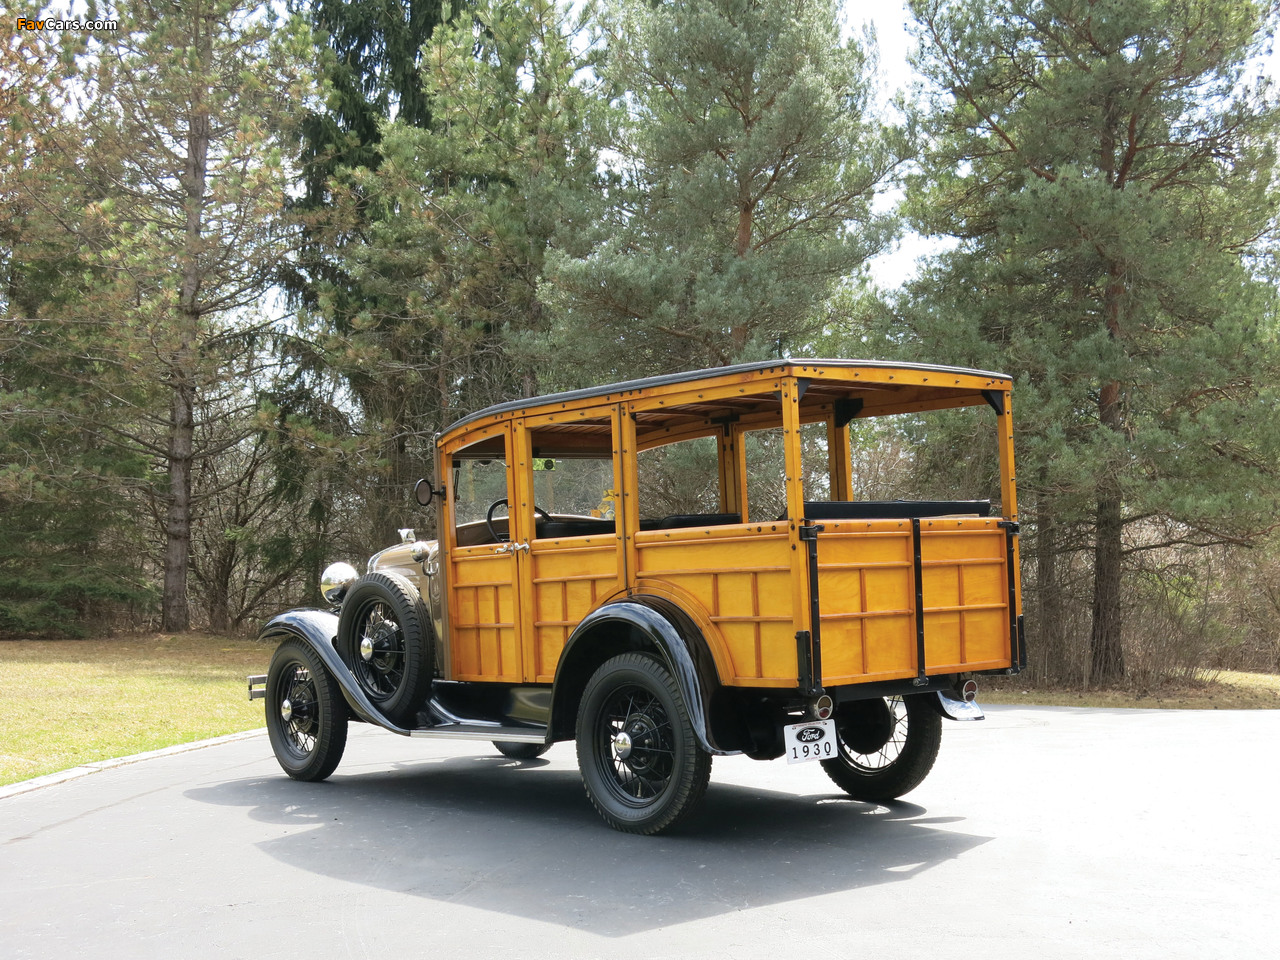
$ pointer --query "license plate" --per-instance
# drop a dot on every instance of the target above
(811, 740)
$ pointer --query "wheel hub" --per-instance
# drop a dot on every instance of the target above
(377, 643)
(633, 744)
(286, 710)
(622, 744)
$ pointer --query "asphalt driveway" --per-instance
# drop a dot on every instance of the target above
(1042, 833)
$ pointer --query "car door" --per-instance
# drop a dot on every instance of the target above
(485, 628)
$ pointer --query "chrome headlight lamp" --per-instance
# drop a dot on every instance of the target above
(335, 580)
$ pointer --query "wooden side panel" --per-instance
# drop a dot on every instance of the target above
(867, 596)
(866, 582)
(740, 578)
(483, 640)
(966, 596)
(571, 577)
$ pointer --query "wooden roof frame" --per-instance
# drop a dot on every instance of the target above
(703, 402)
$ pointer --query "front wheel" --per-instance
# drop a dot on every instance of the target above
(306, 715)
(887, 747)
(641, 763)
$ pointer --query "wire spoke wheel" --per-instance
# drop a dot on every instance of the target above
(642, 766)
(886, 747)
(385, 638)
(298, 695)
(636, 741)
(514, 750)
(893, 726)
(305, 713)
(381, 663)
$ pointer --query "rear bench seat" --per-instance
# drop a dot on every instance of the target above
(892, 509)
(585, 526)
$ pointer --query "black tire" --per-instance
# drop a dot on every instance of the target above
(521, 751)
(641, 763)
(384, 637)
(306, 715)
(887, 747)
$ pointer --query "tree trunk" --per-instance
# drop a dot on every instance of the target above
(175, 614)
(1106, 651)
(175, 610)
(222, 569)
(1051, 660)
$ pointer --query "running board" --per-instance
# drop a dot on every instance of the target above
(480, 731)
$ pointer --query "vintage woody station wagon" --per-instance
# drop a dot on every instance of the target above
(667, 569)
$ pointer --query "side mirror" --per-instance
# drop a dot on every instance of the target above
(423, 493)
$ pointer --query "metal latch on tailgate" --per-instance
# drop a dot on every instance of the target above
(809, 642)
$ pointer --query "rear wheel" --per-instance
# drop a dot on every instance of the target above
(521, 751)
(887, 747)
(641, 764)
(384, 636)
(306, 715)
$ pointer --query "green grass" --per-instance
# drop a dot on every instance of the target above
(1213, 690)
(69, 702)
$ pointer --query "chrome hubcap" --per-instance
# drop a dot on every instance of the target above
(622, 744)
(366, 649)
(286, 710)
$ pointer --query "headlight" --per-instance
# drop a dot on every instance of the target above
(335, 580)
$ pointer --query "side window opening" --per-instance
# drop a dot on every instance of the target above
(571, 476)
(680, 479)
(911, 456)
(478, 483)
(573, 496)
(767, 472)
(577, 487)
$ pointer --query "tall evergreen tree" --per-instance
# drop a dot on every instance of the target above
(1108, 171)
(432, 307)
(746, 165)
(371, 56)
(172, 177)
(69, 549)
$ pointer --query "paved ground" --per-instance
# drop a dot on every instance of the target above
(1042, 833)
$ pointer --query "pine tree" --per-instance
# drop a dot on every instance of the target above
(172, 179)
(746, 164)
(1107, 169)
(69, 549)
(371, 59)
(445, 237)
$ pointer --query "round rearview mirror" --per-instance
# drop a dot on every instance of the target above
(422, 492)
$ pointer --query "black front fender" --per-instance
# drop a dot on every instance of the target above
(318, 629)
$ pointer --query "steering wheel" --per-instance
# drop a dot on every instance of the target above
(488, 518)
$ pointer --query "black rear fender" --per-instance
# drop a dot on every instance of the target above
(641, 624)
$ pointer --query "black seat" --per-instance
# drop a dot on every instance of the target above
(892, 509)
(678, 520)
(573, 527)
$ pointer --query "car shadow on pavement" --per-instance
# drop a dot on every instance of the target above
(522, 839)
